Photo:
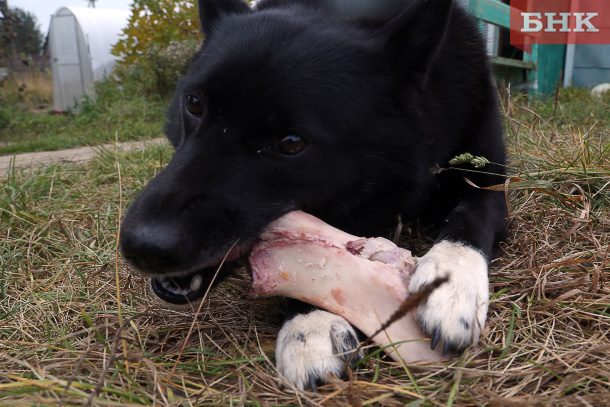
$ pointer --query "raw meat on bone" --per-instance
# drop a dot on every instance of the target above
(362, 280)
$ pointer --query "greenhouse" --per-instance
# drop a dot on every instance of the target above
(80, 41)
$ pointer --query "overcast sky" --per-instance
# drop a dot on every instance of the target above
(43, 9)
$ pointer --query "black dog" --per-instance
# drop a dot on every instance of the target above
(350, 117)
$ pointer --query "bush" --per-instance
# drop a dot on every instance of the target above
(158, 69)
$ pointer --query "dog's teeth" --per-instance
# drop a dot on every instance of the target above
(196, 282)
(171, 287)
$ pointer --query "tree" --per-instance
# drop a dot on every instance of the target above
(157, 45)
(157, 23)
(19, 32)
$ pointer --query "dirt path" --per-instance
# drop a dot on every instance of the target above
(73, 155)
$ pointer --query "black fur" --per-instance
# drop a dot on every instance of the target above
(382, 101)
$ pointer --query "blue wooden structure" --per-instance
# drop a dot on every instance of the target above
(542, 68)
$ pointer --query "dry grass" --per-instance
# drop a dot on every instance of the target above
(31, 87)
(70, 335)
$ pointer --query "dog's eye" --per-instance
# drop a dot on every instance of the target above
(194, 105)
(289, 145)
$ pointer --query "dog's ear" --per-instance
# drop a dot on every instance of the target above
(415, 37)
(210, 11)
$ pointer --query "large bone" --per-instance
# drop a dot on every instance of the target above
(362, 280)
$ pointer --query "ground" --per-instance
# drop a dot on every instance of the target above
(73, 155)
(76, 328)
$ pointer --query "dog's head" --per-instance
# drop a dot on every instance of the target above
(283, 108)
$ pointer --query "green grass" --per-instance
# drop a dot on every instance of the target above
(566, 143)
(76, 328)
(27, 123)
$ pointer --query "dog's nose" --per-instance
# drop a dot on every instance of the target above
(153, 249)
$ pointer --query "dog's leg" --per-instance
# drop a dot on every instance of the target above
(313, 343)
(455, 313)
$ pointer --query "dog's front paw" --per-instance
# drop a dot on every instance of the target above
(455, 313)
(310, 346)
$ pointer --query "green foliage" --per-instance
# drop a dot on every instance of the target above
(157, 47)
(467, 158)
(156, 22)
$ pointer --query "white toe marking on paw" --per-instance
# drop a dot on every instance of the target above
(458, 307)
(304, 347)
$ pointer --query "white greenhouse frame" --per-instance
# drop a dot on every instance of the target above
(80, 40)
